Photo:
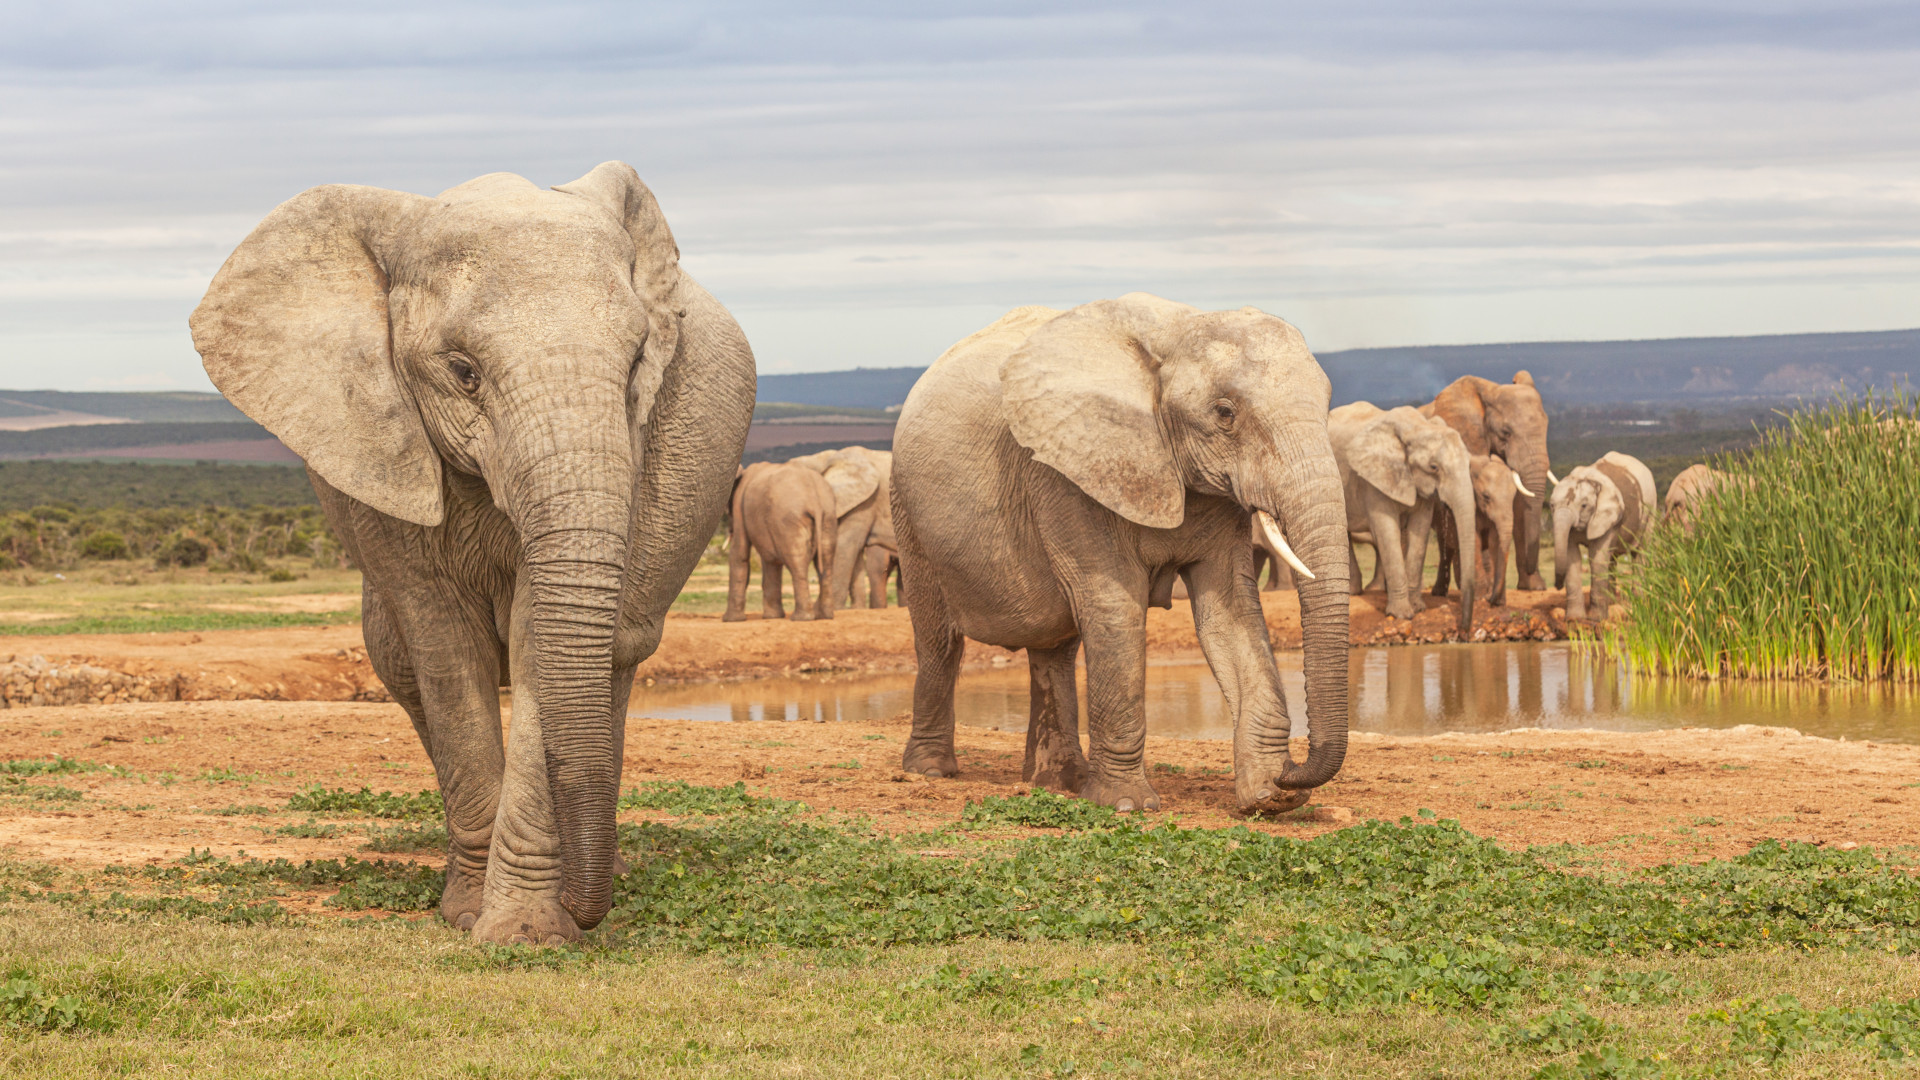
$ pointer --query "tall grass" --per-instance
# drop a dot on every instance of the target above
(1810, 571)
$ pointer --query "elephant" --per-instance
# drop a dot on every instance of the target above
(1057, 471)
(786, 513)
(1396, 466)
(1507, 419)
(862, 482)
(1694, 485)
(520, 416)
(1604, 507)
(1494, 484)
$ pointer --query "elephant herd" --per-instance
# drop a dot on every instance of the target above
(524, 420)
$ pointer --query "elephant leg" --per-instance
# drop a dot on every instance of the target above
(879, 563)
(1576, 599)
(1526, 543)
(1494, 543)
(1444, 526)
(739, 573)
(770, 606)
(849, 542)
(1054, 759)
(826, 564)
(1378, 582)
(1419, 527)
(1353, 569)
(1602, 555)
(937, 648)
(1390, 560)
(521, 901)
(453, 699)
(1114, 627)
(1233, 637)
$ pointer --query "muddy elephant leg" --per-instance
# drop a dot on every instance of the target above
(937, 647)
(1114, 627)
(770, 586)
(453, 700)
(739, 573)
(879, 562)
(521, 901)
(1054, 759)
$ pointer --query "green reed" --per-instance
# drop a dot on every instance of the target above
(1811, 570)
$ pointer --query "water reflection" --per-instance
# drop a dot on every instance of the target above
(1413, 690)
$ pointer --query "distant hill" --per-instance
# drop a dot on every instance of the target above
(1677, 371)
(162, 407)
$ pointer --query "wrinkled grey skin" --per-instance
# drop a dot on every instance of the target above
(1605, 508)
(1396, 467)
(1056, 472)
(862, 481)
(521, 419)
(1507, 419)
(784, 512)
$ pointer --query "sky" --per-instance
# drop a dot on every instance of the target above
(865, 183)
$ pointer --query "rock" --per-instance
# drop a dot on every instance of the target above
(1333, 815)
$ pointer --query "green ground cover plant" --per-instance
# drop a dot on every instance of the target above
(1807, 571)
(412, 805)
(753, 936)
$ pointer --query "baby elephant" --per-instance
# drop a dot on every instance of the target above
(786, 513)
(1694, 485)
(1604, 507)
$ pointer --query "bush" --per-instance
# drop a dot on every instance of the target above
(1807, 572)
(183, 551)
(105, 545)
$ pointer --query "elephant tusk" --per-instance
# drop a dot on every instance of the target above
(1521, 486)
(1552, 478)
(1279, 540)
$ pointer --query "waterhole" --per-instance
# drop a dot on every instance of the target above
(1405, 690)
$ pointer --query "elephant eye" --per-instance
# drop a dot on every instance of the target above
(1223, 412)
(463, 370)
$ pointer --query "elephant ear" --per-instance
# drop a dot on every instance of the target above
(656, 270)
(294, 331)
(1080, 393)
(1377, 456)
(853, 479)
(1607, 509)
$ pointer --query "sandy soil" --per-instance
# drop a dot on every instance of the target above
(330, 663)
(1676, 795)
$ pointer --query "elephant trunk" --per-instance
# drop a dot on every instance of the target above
(1313, 508)
(1530, 463)
(572, 504)
(1457, 493)
(1562, 544)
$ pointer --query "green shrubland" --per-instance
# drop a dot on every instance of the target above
(222, 538)
(1805, 569)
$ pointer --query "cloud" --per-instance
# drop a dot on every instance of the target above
(860, 182)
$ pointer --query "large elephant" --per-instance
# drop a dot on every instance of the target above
(862, 481)
(520, 417)
(1055, 473)
(1507, 419)
(785, 512)
(1396, 466)
(1604, 507)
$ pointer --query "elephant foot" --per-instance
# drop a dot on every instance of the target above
(827, 614)
(734, 616)
(1404, 611)
(802, 615)
(535, 924)
(1127, 794)
(460, 900)
(1255, 792)
(1533, 583)
(1057, 772)
(930, 759)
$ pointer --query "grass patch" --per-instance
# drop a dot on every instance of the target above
(179, 622)
(406, 838)
(365, 802)
(53, 766)
(1038, 809)
(1807, 572)
(680, 797)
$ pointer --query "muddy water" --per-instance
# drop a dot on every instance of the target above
(1410, 690)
